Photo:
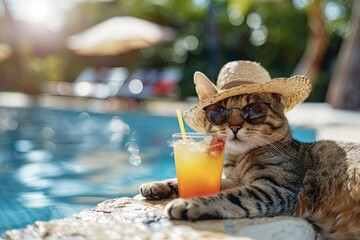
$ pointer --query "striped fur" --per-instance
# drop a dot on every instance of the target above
(270, 174)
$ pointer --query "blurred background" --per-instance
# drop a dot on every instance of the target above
(89, 88)
(144, 49)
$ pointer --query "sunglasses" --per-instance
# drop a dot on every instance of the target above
(253, 113)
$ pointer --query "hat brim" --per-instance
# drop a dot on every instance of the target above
(294, 90)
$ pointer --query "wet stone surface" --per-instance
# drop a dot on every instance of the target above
(128, 218)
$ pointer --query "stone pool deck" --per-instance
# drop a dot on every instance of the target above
(135, 218)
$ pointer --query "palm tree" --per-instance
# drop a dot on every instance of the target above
(344, 86)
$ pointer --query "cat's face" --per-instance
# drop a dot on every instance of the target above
(245, 134)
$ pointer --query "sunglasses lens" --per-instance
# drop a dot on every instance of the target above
(217, 114)
(255, 113)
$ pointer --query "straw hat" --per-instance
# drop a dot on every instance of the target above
(243, 77)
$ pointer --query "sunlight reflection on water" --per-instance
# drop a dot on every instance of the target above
(55, 163)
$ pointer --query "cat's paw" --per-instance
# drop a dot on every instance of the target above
(186, 209)
(159, 190)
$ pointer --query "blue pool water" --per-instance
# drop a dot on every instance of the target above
(54, 163)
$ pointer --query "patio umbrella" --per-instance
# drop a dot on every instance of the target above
(119, 35)
(5, 51)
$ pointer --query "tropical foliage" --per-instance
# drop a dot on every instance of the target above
(210, 33)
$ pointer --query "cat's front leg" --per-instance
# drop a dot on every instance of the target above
(196, 208)
(210, 207)
(188, 209)
(191, 209)
(238, 202)
(160, 189)
(169, 188)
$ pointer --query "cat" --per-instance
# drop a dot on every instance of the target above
(270, 174)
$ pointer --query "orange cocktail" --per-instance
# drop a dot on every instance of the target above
(198, 161)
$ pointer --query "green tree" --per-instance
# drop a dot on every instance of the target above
(275, 33)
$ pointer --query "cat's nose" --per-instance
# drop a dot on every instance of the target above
(235, 128)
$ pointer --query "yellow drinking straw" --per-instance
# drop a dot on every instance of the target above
(181, 124)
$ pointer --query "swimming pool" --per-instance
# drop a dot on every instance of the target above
(54, 163)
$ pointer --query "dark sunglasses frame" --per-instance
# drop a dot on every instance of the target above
(253, 113)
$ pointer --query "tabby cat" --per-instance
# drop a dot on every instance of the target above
(270, 174)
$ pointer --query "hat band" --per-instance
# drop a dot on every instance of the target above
(236, 84)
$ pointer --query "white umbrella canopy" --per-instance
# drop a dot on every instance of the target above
(119, 35)
(5, 51)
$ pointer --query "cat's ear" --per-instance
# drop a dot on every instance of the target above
(204, 87)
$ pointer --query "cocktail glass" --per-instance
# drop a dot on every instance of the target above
(198, 161)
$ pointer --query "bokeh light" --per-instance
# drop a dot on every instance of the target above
(333, 11)
(83, 89)
(136, 86)
(46, 12)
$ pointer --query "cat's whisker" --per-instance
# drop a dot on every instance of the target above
(217, 131)
(285, 148)
(275, 146)
(272, 148)
(281, 135)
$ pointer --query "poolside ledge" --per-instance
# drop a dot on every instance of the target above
(135, 218)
